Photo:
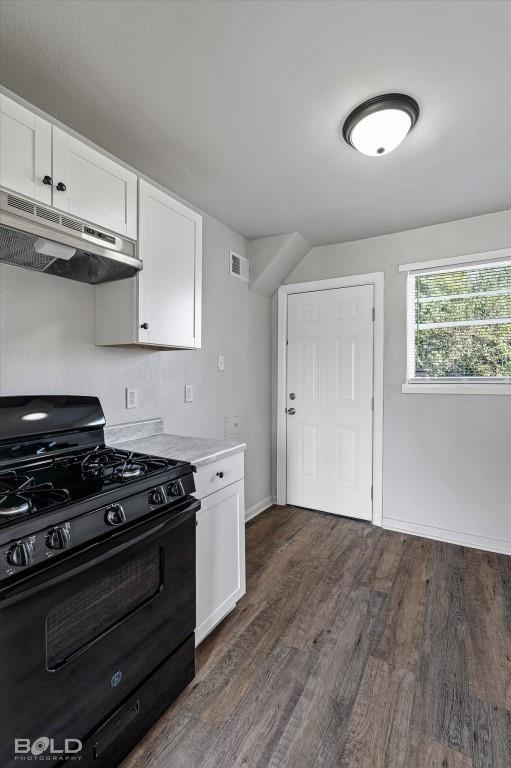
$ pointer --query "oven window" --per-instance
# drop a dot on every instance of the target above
(76, 622)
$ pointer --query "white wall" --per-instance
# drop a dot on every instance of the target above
(47, 346)
(447, 458)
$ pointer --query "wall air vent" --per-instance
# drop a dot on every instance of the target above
(238, 266)
(20, 204)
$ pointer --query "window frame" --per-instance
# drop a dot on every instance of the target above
(443, 385)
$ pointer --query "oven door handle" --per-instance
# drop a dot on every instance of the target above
(87, 558)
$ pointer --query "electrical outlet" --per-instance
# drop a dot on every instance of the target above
(131, 398)
(220, 363)
(231, 425)
(188, 393)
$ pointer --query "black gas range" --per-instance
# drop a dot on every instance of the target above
(97, 584)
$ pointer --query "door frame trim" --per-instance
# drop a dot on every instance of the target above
(376, 279)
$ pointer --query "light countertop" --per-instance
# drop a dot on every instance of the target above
(196, 450)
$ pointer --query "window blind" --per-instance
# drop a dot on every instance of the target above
(460, 323)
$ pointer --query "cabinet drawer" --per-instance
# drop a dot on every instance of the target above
(211, 477)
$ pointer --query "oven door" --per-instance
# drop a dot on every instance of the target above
(83, 633)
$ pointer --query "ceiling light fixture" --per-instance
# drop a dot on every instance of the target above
(380, 124)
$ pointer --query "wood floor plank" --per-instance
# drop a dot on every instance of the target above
(354, 647)
(349, 555)
(180, 742)
(378, 735)
(285, 584)
(490, 735)
(442, 705)
(431, 754)
(489, 629)
(384, 565)
(317, 728)
(399, 643)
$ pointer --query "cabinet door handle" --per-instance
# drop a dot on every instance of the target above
(220, 475)
(145, 326)
(48, 181)
(61, 187)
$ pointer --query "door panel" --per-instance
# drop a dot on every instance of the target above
(330, 370)
(97, 188)
(220, 556)
(170, 247)
(25, 151)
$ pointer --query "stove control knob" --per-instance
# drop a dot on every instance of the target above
(58, 538)
(21, 553)
(176, 488)
(115, 515)
(156, 497)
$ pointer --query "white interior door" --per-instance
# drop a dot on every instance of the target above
(92, 186)
(25, 151)
(329, 400)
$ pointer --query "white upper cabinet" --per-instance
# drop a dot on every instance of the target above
(25, 151)
(170, 246)
(162, 305)
(92, 186)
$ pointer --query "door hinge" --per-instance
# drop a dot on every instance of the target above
(372, 403)
(373, 314)
(371, 493)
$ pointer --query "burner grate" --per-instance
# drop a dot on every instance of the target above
(120, 466)
(20, 495)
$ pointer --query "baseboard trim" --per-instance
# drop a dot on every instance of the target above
(490, 544)
(256, 509)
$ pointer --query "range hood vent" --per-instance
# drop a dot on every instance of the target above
(41, 239)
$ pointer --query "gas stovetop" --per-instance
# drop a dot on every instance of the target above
(63, 489)
(39, 486)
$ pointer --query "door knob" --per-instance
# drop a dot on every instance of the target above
(292, 395)
(291, 411)
(145, 326)
(61, 187)
(48, 181)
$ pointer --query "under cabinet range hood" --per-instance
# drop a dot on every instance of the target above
(42, 239)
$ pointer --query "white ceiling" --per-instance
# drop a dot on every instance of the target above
(236, 105)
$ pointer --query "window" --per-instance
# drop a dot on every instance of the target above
(459, 325)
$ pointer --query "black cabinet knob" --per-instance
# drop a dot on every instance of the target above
(58, 538)
(21, 553)
(220, 475)
(48, 181)
(145, 326)
(61, 187)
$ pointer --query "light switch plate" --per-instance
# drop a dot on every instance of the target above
(220, 363)
(231, 425)
(131, 398)
(188, 393)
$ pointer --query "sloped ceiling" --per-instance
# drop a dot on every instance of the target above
(236, 106)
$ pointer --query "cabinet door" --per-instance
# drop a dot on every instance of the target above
(95, 187)
(170, 246)
(220, 556)
(25, 151)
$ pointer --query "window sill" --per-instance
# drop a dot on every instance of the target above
(456, 389)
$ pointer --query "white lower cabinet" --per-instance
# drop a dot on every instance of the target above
(220, 553)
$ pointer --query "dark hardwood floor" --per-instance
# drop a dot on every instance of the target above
(354, 647)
